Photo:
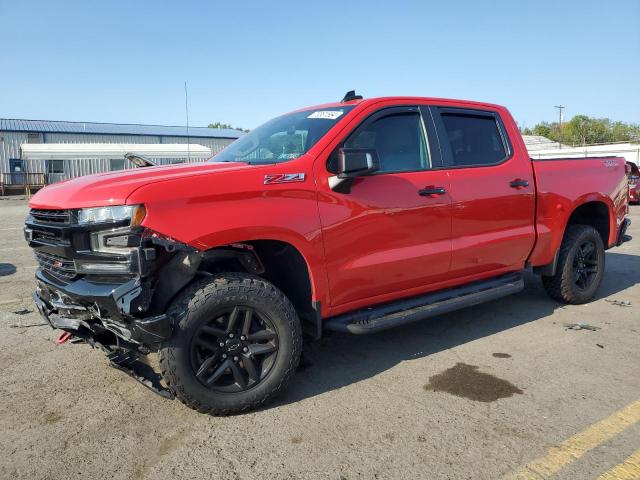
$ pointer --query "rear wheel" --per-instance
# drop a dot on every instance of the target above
(237, 344)
(580, 266)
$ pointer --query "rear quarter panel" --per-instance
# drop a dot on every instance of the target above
(565, 184)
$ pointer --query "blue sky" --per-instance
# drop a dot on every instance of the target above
(245, 62)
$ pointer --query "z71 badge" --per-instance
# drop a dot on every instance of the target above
(283, 178)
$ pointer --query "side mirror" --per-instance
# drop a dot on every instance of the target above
(352, 163)
(356, 162)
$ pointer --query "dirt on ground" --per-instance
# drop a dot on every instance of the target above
(474, 394)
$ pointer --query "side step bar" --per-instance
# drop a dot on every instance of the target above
(389, 315)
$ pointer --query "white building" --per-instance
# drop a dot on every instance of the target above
(35, 152)
(542, 147)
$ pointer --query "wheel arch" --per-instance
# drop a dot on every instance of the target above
(282, 263)
(594, 210)
(597, 214)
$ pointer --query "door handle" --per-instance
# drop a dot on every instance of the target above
(519, 183)
(432, 191)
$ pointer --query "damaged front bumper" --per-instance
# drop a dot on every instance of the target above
(107, 283)
(76, 309)
(93, 311)
(124, 353)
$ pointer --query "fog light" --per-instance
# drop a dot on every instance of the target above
(119, 241)
(104, 268)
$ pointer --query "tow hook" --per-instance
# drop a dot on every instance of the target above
(64, 337)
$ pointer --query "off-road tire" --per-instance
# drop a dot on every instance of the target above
(562, 286)
(193, 307)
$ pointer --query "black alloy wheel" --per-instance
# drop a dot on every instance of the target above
(236, 344)
(579, 267)
(585, 265)
(235, 350)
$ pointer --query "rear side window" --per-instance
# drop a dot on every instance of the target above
(474, 139)
(398, 139)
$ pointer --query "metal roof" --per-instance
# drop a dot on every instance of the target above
(50, 126)
(538, 142)
(72, 151)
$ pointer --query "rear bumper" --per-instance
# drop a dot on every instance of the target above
(98, 311)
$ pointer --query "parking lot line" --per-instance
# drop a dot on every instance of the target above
(575, 447)
(627, 470)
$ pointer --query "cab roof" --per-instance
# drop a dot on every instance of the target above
(370, 101)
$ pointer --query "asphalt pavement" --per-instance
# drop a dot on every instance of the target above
(503, 389)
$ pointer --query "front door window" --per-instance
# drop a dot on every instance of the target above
(398, 139)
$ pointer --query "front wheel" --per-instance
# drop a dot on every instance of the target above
(236, 345)
(580, 266)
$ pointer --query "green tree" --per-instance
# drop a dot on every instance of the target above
(584, 130)
(544, 129)
(226, 125)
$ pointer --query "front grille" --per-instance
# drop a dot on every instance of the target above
(56, 217)
(50, 238)
(58, 266)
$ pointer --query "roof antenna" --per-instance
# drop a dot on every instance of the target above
(186, 109)
(350, 95)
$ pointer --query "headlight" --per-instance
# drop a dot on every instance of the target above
(134, 213)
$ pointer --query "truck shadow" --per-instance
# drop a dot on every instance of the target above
(339, 360)
(7, 269)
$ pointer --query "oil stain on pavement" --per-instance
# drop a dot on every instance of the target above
(466, 381)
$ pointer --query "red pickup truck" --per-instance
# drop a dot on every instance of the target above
(354, 216)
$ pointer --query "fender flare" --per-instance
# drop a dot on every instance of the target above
(310, 250)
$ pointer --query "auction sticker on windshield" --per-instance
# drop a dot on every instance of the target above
(326, 114)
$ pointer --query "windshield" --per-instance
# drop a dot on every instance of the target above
(283, 138)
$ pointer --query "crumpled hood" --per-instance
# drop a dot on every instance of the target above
(113, 188)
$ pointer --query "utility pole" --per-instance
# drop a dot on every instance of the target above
(560, 109)
(186, 110)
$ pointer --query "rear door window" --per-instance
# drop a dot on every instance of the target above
(473, 138)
